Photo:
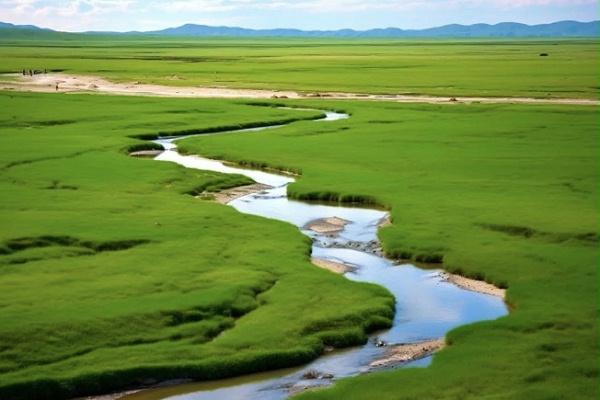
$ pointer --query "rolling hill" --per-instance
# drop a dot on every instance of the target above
(501, 30)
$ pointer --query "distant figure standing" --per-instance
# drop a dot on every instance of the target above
(56, 86)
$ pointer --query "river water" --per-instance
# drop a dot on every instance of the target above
(426, 305)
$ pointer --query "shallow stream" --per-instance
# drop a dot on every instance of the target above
(426, 305)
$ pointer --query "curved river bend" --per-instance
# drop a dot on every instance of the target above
(426, 305)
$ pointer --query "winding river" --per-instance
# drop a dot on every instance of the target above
(427, 306)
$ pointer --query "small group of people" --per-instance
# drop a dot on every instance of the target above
(33, 72)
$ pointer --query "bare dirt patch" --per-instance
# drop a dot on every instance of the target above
(327, 225)
(401, 353)
(67, 83)
(400, 98)
(71, 83)
(474, 285)
(225, 196)
(338, 268)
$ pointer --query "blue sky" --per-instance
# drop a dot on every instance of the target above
(127, 15)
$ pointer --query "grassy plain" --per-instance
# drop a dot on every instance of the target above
(506, 193)
(379, 66)
(109, 274)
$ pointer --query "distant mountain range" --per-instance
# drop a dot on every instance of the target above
(9, 26)
(501, 30)
(506, 29)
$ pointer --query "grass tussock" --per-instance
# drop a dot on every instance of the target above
(143, 146)
(236, 127)
(589, 238)
(28, 249)
(333, 197)
(18, 244)
(511, 230)
(217, 185)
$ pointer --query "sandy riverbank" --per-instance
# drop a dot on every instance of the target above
(338, 268)
(72, 83)
(333, 225)
(114, 396)
(330, 225)
(474, 285)
(401, 353)
(461, 281)
(225, 196)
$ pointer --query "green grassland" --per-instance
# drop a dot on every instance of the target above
(110, 273)
(379, 66)
(506, 193)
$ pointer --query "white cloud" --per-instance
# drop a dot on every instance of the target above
(198, 6)
(76, 15)
(509, 4)
(344, 6)
(351, 6)
(81, 15)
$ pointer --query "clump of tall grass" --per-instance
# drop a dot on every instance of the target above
(217, 185)
(23, 243)
(143, 146)
(333, 197)
(231, 128)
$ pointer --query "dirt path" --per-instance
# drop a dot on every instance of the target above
(69, 83)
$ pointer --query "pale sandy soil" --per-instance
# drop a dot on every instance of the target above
(118, 395)
(114, 396)
(387, 221)
(58, 82)
(400, 353)
(400, 98)
(68, 83)
(474, 285)
(327, 225)
(225, 196)
(330, 265)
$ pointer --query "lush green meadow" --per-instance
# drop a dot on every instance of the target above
(110, 274)
(379, 66)
(506, 193)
